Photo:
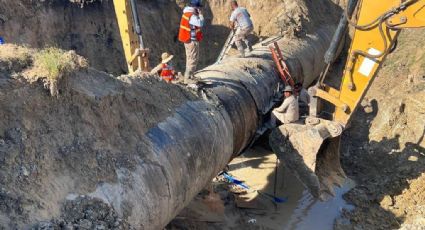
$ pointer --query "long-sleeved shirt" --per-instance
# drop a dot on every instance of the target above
(157, 69)
(289, 109)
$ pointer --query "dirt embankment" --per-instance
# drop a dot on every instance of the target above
(384, 150)
(50, 146)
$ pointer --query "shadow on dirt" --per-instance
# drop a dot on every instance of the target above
(381, 169)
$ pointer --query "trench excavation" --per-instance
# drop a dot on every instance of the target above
(175, 158)
(136, 147)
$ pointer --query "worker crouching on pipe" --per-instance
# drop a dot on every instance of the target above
(165, 69)
(241, 20)
(288, 112)
(190, 34)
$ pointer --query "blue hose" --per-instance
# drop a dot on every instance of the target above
(243, 185)
(235, 181)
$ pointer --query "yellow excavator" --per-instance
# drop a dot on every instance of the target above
(311, 148)
(136, 55)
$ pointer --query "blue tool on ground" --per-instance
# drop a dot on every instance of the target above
(1, 41)
(233, 180)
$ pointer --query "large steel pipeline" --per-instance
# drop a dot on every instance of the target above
(183, 153)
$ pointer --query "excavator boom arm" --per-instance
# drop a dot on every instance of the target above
(311, 150)
(375, 35)
(136, 55)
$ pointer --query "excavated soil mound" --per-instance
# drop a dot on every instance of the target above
(51, 146)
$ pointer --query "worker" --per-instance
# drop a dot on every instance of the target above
(190, 34)
(1, 41)
(288, 112)
(241, 20)
(165, 69)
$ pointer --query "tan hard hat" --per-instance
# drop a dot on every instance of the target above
(166, 57)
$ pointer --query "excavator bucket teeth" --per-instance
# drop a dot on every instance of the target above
(311, 152)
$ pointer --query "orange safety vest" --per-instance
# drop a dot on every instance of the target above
(167, 73)
(185, 34)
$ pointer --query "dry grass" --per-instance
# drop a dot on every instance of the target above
(48, 65)
(14, 58)
(51, 64)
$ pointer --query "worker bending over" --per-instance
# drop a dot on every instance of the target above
(165, 69)
(241, 20)
(190, 34)
(288, 112)
(303, 98)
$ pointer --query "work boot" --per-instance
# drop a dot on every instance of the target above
(247, 43)
(188, 79)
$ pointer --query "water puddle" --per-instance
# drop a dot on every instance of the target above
(313, 214)
(257, 168)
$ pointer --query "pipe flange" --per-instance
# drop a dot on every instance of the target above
(312, 121)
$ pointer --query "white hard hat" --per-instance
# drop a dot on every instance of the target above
(288, 88)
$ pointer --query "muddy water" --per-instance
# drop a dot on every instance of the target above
(257, 168)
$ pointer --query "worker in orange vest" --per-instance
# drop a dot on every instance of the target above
(190, 34)
(165, 69)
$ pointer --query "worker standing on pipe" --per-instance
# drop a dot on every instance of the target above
(241, 19)
(165, 69)
(288, 112)
(190, 34)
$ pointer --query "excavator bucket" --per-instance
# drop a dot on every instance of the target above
(311, 152)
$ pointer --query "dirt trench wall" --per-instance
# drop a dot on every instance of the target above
(93, 32)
